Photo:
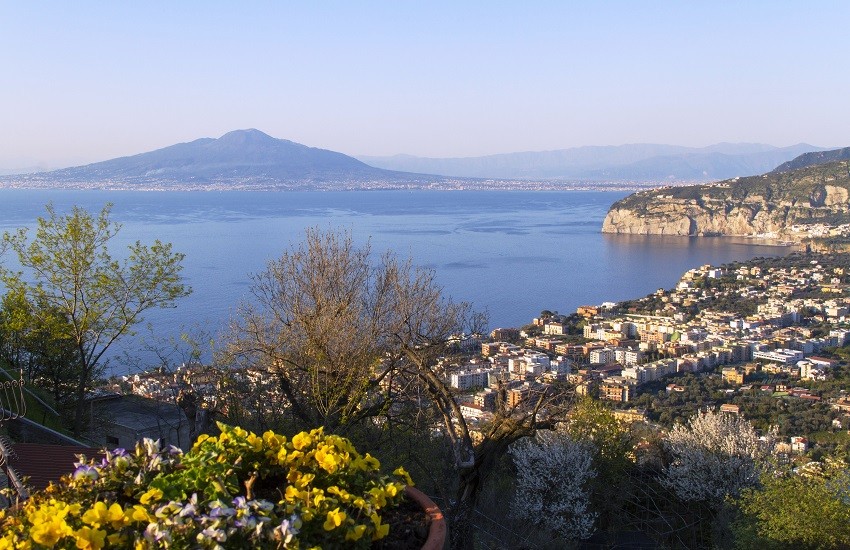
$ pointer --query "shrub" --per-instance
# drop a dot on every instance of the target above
(235, 490)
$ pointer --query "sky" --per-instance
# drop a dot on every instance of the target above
(87, 81)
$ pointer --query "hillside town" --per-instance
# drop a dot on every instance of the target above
(753, 324)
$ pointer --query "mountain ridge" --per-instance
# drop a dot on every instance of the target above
(814, 158)
(637, 162)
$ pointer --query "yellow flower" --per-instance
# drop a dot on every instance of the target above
(301, 440)
(274, 440)
(292, 494)
(100, 515)
(400, 471)
(355, 533)
(281, 456)
(151, 495)
(334, 519)
(49, 531)
(393, 489)
(255, 442)
(48, 522)
(326, 460)
(90, 539)
(381, 529)
(343, 495)
(140, 514)
(372, 462)
(379, 497)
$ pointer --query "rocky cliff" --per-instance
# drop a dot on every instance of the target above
(767, 205)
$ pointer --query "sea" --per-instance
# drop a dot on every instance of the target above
(510, 253)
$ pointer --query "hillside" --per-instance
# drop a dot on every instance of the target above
(814, 158)
(634, 162)
(766, 205)
(246, 159)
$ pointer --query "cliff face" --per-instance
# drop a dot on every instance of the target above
(765, 205)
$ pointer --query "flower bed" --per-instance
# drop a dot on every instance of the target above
(237, 490)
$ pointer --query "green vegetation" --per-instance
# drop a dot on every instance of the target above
(74, 300)
(806, 510)
(801, 187)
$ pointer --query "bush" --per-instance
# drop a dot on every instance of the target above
(235, 490)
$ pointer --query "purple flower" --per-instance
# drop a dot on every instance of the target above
(84, 470)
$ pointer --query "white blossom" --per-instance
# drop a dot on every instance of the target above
(714, 456)
(552, 470)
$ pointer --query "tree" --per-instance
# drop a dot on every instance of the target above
(354, 344)
(714, 456)
(807, 509)
(553, 471)
(321, 326)
(612, 445)
(38, 345)
(69, 271)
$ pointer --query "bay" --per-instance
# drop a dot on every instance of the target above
(510, 253)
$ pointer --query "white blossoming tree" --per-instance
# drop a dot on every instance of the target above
(713, 456)
(552, 474)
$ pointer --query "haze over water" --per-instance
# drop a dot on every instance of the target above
(510, 253)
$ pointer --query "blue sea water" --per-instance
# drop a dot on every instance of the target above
(510, 253)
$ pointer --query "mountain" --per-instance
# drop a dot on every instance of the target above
(246, 159)
(634, 162)
(814, 158)
(777, 204)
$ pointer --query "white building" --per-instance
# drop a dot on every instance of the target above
(468, 379)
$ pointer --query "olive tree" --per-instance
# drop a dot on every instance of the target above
(69, 271)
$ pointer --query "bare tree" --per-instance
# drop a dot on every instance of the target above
(350, 342)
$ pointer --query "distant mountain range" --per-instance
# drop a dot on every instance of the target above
(242, 159)
(250, 159)
(635, 162)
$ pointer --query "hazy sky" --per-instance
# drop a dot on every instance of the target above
(86, 81)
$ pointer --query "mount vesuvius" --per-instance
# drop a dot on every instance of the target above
(242, 159)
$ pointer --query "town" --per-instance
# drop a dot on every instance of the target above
(762, 326)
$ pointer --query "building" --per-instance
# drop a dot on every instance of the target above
(588, 311)
(503, 334)
(468, 379)
(783, 356)
(619, 392)
(602, 356)
(123, 420)
(730, 408)
(490, 348)
(733, 375)
(555, 329)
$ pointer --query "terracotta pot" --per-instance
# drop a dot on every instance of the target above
(438, 531)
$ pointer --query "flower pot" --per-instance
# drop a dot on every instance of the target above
(437, 531)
